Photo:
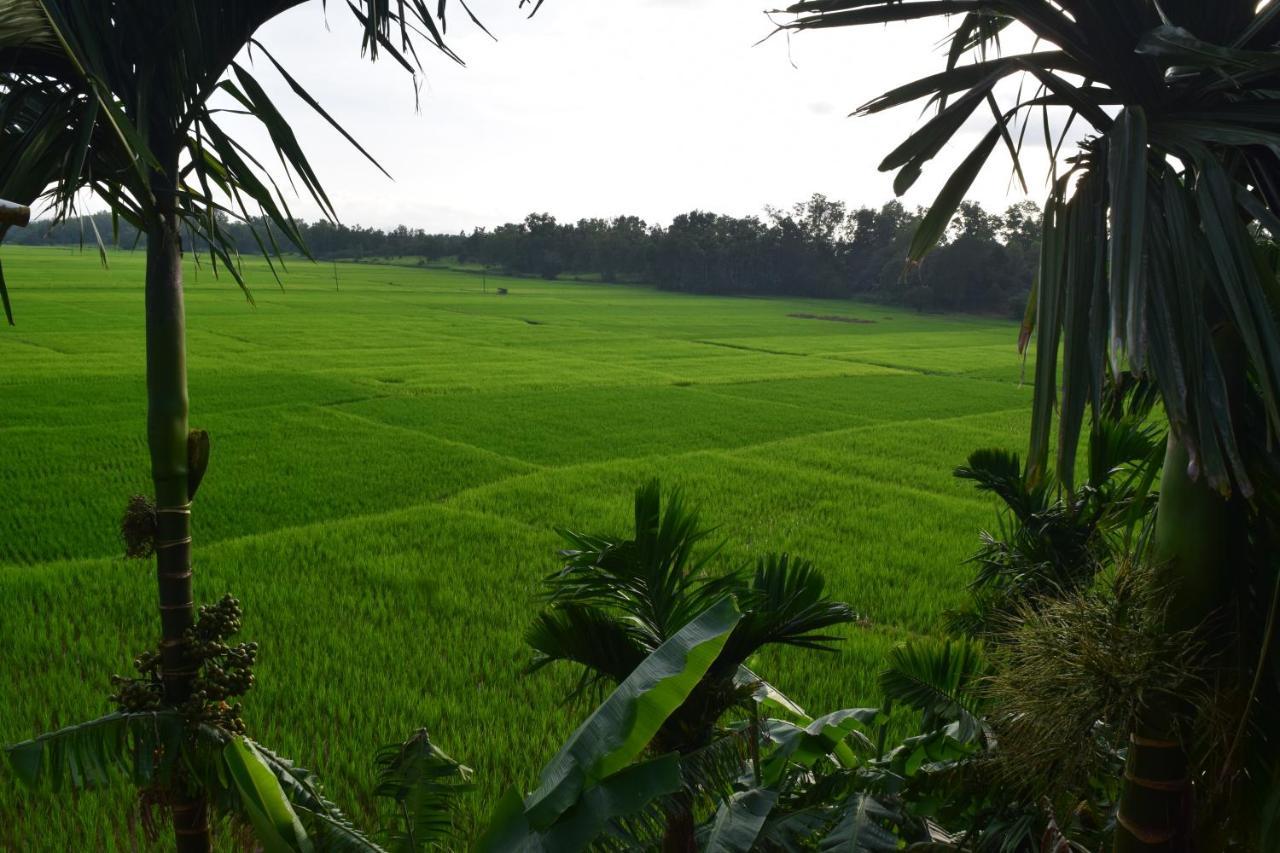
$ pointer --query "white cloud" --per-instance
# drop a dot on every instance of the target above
(651, 107)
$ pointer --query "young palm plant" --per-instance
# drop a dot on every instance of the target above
(1051, 542)
(618, 599)
(115, 99)
(1151, 266)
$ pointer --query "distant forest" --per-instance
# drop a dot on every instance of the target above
(819, 248)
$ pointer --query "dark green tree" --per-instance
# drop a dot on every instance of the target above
(1151, 265)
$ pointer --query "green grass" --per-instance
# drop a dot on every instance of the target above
(390, 456)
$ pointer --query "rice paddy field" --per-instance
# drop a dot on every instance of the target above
(392, 448)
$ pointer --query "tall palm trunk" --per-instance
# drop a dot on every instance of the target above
(167, 438)
(1191, 542)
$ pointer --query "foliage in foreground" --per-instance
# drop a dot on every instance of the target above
(1156, 263)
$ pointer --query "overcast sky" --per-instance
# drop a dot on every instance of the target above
(648, 107)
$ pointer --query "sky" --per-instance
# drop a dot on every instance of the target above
(606, 107)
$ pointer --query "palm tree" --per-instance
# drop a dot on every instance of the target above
(112, 97)
(618, 599)
(1151, 265)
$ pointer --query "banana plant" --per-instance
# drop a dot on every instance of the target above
(117, 100)
(617, 599)
(1151, 266)
(595, 783)
(836, 783)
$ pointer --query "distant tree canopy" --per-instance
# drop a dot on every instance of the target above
(818, 248)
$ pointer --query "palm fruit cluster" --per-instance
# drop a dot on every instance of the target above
(145, 693)
(223, 671)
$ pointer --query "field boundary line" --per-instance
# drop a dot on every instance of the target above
(530, 469)
(98, 425)
(866, 426)
(524, 463)
(746, 348)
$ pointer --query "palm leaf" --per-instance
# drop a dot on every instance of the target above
(785, 603)
(143, 747)
(1146, 238)
(938, 678)
(606, 646)
(87, 86)
(656, 577)
(424, 784)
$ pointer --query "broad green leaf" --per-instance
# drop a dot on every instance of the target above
(275, 824)
(766, 695)
(625, 793)
(826, 736)
(860, 830)
(509, 830)
(620, 729)
(739, 820)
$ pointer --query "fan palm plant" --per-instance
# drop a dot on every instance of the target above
(618, 599)
(1150, 265)
(113, 98)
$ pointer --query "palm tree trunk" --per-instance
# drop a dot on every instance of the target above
(167, 439)
(1190, 546)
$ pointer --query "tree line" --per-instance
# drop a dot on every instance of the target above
(816, 248)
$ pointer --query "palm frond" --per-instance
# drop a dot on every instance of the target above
(142, 747)
(1000, 473)
(100, 98)
(657, 577)
(939, 678)
(711, 774)
(424, 784)
(608, 647)
(785, 603)
(1149, 261)
(24, 26)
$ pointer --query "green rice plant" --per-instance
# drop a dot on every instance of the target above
(848, 470)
